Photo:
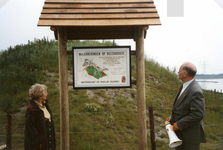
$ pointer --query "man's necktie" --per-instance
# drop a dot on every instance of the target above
(178, 94)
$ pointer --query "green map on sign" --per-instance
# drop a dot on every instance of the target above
(92, 71)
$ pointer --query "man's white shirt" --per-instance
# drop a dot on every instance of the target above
(185, 85)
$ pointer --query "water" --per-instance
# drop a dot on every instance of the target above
(211, 84)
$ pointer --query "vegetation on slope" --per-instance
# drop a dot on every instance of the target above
(113, 122)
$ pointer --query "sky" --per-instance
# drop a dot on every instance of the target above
(196, 36)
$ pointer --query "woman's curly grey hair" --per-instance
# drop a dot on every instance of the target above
(36, 91)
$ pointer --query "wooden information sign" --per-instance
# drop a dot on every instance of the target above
(102, 67)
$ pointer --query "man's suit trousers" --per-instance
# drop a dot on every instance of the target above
(188, 147)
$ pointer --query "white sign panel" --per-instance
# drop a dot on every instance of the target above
(102, 67)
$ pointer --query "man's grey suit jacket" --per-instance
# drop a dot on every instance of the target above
(188, 112)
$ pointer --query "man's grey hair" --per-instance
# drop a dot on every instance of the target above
(190, 69)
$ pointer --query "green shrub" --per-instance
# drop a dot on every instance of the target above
(92, 107)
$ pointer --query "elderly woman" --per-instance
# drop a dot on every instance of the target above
(39, 129)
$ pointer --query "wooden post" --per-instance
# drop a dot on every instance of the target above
(8, 131)
(152, 128)
(140, 75)
(64, 103)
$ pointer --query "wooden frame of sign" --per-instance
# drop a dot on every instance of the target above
(101, 67)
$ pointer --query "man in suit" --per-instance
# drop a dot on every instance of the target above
(188, 110)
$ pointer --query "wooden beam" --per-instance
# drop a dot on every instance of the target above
(134, 82)
(95, 33)
(94, 6)
(133, 52)
(140, 77)
(69, 53)
(52, 28)
(103, 32)
(64, 103)
(98, 11)
(145, 28)
(70, 83)
(98, 16)
(82, 29)
(152, 128)
(9, 130)
(96, 1)
(99, 23)
(99, 35)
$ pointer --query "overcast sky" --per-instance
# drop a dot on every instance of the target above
(197, 36)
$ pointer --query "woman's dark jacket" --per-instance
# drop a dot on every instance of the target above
(35, 128)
